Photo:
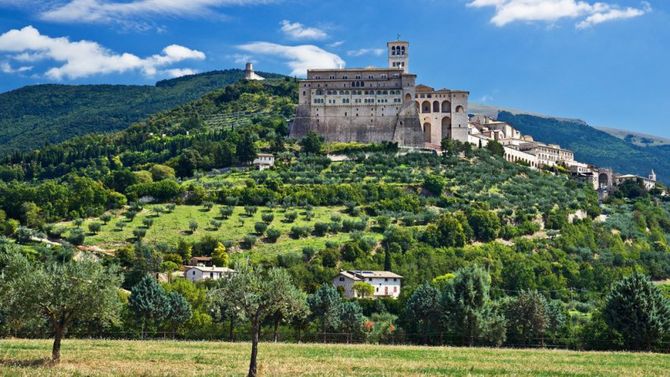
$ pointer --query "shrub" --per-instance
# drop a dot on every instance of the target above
(226, 212)
(299, 231)
(290, 217)
(170, 207)
(193, 226)
(248, 242)
(268, 217)
(260, 228)
(105, 218)
(273, 234)
(94, 227)
(216, 224)
(320, 229)
(250, 210)
(139, 233)
(147, 222)
(76, 236)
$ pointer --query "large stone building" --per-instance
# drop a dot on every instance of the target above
(372, 105)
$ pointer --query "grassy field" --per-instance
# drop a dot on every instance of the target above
(155, 358)
(170, 227)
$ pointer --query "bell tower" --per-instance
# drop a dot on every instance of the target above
(398, 55)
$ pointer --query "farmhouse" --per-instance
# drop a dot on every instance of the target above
(201, 272)
(384, 283)
(264, 161)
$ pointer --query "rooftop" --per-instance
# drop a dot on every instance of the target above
(210, 269)
(361, 274)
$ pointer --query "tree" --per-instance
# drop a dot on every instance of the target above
(105, 218)
(192, 226)
(312, 143)
(434, 184)
(363, 289)
(246, 148)
(258, 293)
(220, 255)
(495, 148)
(226, 212)
(60, 293)
(273, 234)
(179, 310)
(76, 236)
(94, 227)
(446, 232)
(148, 301)
(423, 311)
(469, 311)
(326, 307)
(260, 228)
(485, 224)
(352, 319)
(636, 308)
(528, 318)
(223, 309)
(160, 172)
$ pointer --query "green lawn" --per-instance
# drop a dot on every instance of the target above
(168, 358)
(170, 227)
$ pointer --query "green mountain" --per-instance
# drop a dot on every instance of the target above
(594, 146)
(33, 116)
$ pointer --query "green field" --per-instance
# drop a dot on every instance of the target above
(169, 358)
(170, 227)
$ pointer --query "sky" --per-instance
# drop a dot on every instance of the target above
(606, 62)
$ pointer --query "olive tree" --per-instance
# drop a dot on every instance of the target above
(258, 293)
(60, 293)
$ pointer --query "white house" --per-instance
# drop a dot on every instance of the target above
(264, 161)
(201, 272)
(385, 283)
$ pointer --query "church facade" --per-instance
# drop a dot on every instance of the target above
(372, 105)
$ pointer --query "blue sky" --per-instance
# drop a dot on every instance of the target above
(602, 61)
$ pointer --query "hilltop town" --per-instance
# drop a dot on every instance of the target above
(386, 105)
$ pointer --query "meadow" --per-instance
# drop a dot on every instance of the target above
(173, 358)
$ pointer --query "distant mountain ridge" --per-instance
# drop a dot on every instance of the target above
(34, 115)
(592, 145)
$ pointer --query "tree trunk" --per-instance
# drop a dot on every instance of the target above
(55, 351)
(275, 335)
(256, 328)
(231, 330)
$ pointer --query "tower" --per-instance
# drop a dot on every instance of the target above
(249, 73)
(398, 54)
(652, 176)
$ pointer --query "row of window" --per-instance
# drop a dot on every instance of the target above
(357, 100)
(382, 76)
(397, 50)
(320, 92)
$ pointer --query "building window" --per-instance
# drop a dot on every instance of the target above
(341, 279)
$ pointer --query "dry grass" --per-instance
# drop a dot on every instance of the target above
(156, 358)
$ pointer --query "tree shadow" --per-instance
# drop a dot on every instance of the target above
(28, 363)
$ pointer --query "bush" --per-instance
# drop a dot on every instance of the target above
(290, 217)
(226, 212)
(94, 227)
(268, 217)
(260, 228)
(299, 231)
(76, 236)
(24, 235)
(273, 234)
(216, 224)
(105, 218)
(248, 242)
(147, 222)
(250, 210)
(139, 233)
(320, 229)
(193, 226)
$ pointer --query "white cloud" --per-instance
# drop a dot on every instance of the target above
(366, 51)
(300, 58)
(296, 30)
(242, 58)
(86, 58)
(178, 72)
(591, 13)
(104, 11)
(7, 68)
(336, 44)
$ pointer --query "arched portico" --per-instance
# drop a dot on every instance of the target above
(426, 132)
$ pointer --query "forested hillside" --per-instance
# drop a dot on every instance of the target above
(594, 146)
(491, 252)
(33, 116)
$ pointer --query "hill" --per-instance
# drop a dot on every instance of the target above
(592, 145)
(33, 116)
(637, 138)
